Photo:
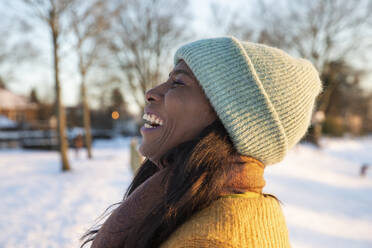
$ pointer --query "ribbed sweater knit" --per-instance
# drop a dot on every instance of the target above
(247, 220)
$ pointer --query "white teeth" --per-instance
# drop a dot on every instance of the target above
(148, 126)
(153, 119)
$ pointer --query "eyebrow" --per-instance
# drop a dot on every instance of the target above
(180, 71)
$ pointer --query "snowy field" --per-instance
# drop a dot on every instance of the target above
(325, 202)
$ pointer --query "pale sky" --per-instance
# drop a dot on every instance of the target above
(39, 73)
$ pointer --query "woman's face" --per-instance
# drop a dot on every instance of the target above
(180, 111)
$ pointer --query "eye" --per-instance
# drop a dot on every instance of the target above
(175, 83)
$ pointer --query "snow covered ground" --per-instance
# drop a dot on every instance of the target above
(42, 207)
(325, 201)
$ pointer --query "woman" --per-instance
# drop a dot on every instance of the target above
(228, 109)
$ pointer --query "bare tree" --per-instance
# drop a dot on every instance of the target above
(13, 51)
(144, 35)
(50, 13)
(324, 31)
(228, 20)
(321, 31)
(88, 21)
(4, 53)
(2, 83)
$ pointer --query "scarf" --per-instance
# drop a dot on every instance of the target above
(245, 178)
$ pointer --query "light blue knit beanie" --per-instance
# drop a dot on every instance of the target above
(263, 96)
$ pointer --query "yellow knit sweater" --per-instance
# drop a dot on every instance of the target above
(247, 220)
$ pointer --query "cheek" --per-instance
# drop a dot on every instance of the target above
(177, 109)
(174, 102)
(189, 112)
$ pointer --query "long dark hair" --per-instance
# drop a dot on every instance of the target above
(199, 170)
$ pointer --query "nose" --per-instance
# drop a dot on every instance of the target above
(153, 95)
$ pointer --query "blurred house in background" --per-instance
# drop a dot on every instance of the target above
(368, 123)
(6, 123)
(354, 123)
(17, 108)
(349, 112)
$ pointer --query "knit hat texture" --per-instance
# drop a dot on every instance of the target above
(264, 97)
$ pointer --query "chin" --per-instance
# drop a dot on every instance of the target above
(154, 159)
(142, 150)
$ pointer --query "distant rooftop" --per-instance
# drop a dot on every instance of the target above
(9, 100)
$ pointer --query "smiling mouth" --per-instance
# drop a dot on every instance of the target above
(151, 125)
(152, 121)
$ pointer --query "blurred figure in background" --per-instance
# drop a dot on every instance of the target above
(363, 170)
(78, 144)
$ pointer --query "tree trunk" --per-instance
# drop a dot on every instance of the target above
(315, 131)
(314, 134)
(61, 116)
(86, 119)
